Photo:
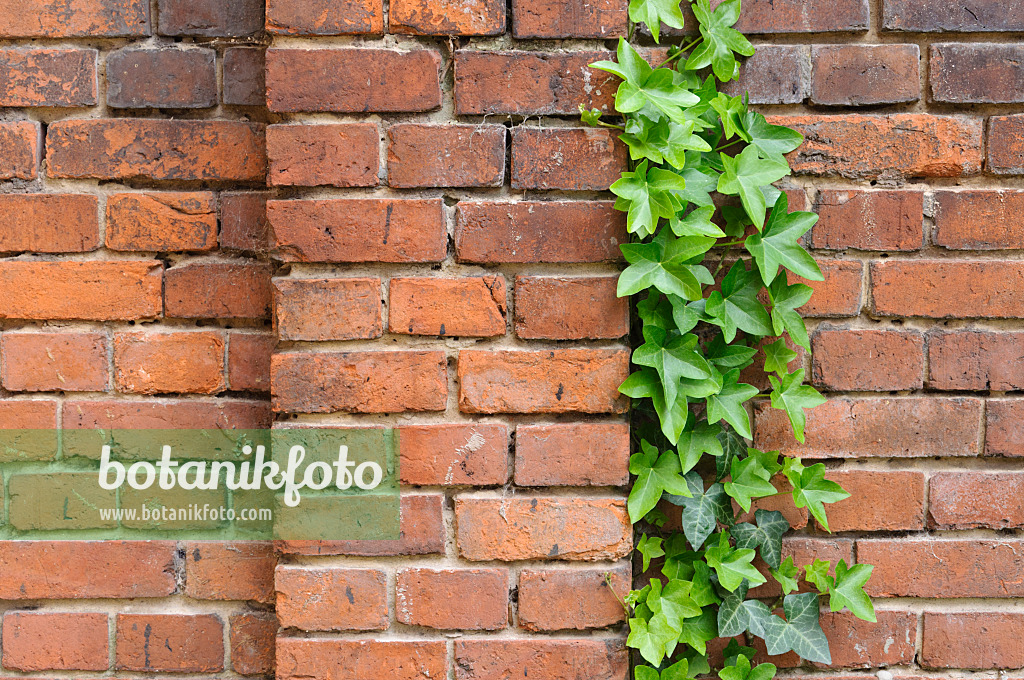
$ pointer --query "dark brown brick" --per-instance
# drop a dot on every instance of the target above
(1006, 145)
(161, 78)
(211, 18)
(244, 79)
(977, 73)
(858, 75)
(776, 74)
(952, 15)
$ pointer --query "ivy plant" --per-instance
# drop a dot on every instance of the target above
(713, 243)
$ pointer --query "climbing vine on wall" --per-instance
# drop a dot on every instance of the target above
(712, 241)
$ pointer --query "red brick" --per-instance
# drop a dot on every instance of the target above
(587, 659)
(555, 381)
(161, 78)
(969, 500)
(453, 599)
(979, 73)
(568, 19)
(321, 80)
(868, 220)
(244, 79)
(359, 230)
(154, 363)
(60, 570)
(211, 18)
(523, 528)
(975, 360)
(49, 223)
(333, 17)
(940, 289)
(299, 658)
(579, 159)
(873, 360)
(249, 361)
(48, 77)
(776, 74)
(112, 290)
(560, 599)
(972, 640)
(570, 308)
(863, 428)
(138, 148)
(951, 15)
(1004, 428)
(328, 309)
(447, 17)
(529, 231)
(170, 643)
(78, 18)
(859, 75)
(454, 454)
(342, 155)
(879, 501)
(242, 570)
(839, 294)
(331, 598)
(359, 382)
(979, 219)
(40, 362)
(946, 568)
(1005, 145)
(38, 641)
(803, 16)
(218, 290)
(471, 307)
(162, 222)
(572, 454)
(446, 155)
(886, 146)
(20, 144)
(185, 414)
(243, 221)
(252, 642)
(891, 641)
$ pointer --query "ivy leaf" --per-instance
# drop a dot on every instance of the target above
(721, 40)
(736, 355)
(769, 460)
(800, 631)
(686, 315)
(733, 446)
(677, 671)
(741, 670)
(738, 614)
(732, 564)
(737, 306)
(744, 176)
(777, 357)
(643, 85)
(728, 404)
(656, 12)
(785, 300)
(673, 601)
(591, 117)
(848, 591)
(793, 397)
(655, 311)
(767, 536)
(649, 192)
(650, 638)
(778, 247)
(672, 416)
(812, 490)
(702, 510)
(786, 575)
(663, 264)
(656, 474)
(701, 590)
(697, 223)
(645, 673)
(649, 548)
(749, 480)
(735, 650)
(673, 359)
(700, 182)
(698, 439)
(697, 631)
(816, 573)
(731, 110)
(773, 141)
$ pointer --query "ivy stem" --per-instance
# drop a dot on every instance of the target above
(608, 582)
(679, 53)
(721, 263)
(729, 244)
(726, 146)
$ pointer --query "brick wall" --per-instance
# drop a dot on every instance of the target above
(440, 258)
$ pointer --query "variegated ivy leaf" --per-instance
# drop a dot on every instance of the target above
(800, 631)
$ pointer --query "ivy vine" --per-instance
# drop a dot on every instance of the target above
(700, 190)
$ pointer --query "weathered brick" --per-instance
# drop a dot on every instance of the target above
(839, 294)
(972, 640)
(951, 15)
(979, 219)
(453, 599)
(975, 360)
(940, 289)
(131, 148)
(471, 307)
(774, 75)
(859, 428)
(803, 16)
(244, 77)
(529, 231)
(299, 658)
(572, 454)
(328, 309)
(218, 290)
(555, 381)
(184, 643)
(211, 18)
(1004, 428)
(331, 598)
(184, 414)
(879, 501)
(887, 146)
(249, 361)
(241, 570)
(243, 221)
(868, 220)
(341, 155)
(943, 568)
(870, 360)
(1006, 145)
(74, 19)
(890, 641)
(568, 19)
(40, 362)
(320, 80)
(562, 599)
(112, 290)
(587, 659)
(48, 77)
(969, 500)
(49, 223)
(20, 144)
(453, 454)
(976, 73)
(333, 17)
(446, 155)
(859, 75)
(161, 78)
(162, 222)
(359, 230)
(38, 641)
(575, 159)
(511, 529)
(252, 640)
(359, 382)
(154, 363)
(447, 17)
(570, 308)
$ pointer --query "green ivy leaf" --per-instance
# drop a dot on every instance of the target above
(696, 440)
(816, 573)
(673, 601)
(696, 632)
(591, 117)
(721, 40)
(733, 446)
(778, 246)
(697, 223)
(767, 535)
(663, 264)
(735, 650)
(777, 357)
(649, 548)
(741, 669)
(812, 490)
(645, 673)
(738, 614)
(701, 590)
(848, 591)
(732, 564)
(702, 510)
(643, 85)
(786, 575)
(731, 111)
(800, 631)
(737, 306)
(650, 638)
(673, 359)
(785, 300)
(749, 480)
(656, 474)
(744, 176)
(649, 192)
(736, 355)
(677, 671)
(700, 182)
(790, 395)
(773, 141)
(656, 12)
(728, 405)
